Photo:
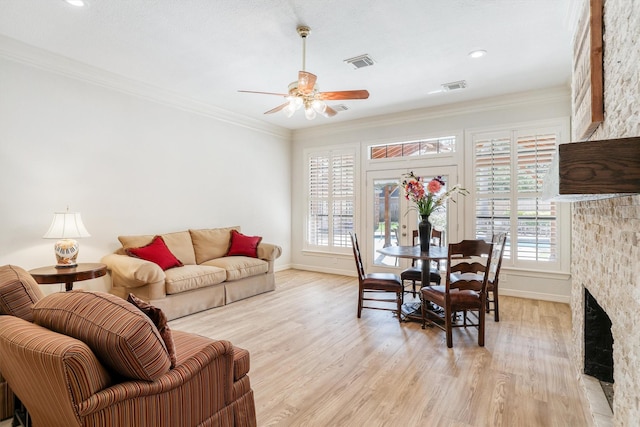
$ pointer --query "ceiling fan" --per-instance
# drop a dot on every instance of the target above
(304, 93)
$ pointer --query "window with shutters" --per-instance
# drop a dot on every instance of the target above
(331, 199)
(509, 171)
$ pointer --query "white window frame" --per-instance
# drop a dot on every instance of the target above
(418, 156)
(563, 224)
(344, 246)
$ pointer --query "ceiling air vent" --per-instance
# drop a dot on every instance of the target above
(360, 61)
(454, 85)
(340, 107)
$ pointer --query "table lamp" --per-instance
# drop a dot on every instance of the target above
(66, 226)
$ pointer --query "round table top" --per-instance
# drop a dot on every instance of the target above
(53, 274)
(413, 252)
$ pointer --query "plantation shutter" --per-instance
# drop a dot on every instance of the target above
(318, 225)
(537, 224)
(509, 171)
(331, 198)
(342, 187)
(493, 186)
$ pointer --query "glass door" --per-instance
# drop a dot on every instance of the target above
(391, 219)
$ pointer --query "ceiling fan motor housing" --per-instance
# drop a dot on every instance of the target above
(304, 31)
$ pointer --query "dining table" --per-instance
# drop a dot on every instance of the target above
(413, 311)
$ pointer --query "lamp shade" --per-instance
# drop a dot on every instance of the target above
(66, 225)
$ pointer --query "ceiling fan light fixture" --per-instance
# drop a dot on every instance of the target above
(319, 106)
(305, 92)
(295, 102)
(289, 109)
(310, 113)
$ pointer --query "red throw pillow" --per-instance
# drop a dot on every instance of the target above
(242, 245)
(160, 320)
(157, 252)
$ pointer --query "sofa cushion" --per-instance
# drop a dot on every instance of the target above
(242, 245)
(181, 245)
(120, 335)
(239, 267)
(160, 320)
(135, 241)
(156, 252)
(211, 243)
(178, 243)
(18, 292)
(192, 277)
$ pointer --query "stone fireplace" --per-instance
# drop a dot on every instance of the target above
(606, 270)
(606, 233)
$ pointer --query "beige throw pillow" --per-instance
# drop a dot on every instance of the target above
(211, 243)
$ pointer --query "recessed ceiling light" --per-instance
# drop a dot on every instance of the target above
(76, 3)
(477, 53)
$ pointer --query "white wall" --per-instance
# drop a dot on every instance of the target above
(130, 166)
(451, 120)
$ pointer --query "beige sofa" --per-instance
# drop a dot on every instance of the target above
(207, 279)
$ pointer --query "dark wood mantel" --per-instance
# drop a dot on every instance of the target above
(600, 167)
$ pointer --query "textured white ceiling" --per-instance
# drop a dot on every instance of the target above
(209, 49)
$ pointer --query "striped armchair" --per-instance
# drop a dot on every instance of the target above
(93, 359)
(18, 292)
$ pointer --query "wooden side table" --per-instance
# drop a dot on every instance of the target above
(68, 275)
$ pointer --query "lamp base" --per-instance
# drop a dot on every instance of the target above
(63, 266)
(66, 253)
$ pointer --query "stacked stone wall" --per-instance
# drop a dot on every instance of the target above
(606, 233)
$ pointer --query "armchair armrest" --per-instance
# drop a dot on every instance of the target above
(268, 251)
(131, 272)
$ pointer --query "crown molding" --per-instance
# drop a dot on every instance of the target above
(544, 96)
(17, 51)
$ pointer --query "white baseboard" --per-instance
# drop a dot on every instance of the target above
(282, 267)
(535, 295)
(324, 270)
(503, 291)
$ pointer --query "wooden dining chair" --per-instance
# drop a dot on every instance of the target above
(371, 285)
(465, 289)
(499, 240)
(414, 273)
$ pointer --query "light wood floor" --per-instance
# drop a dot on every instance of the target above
(313, 363)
